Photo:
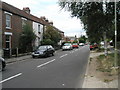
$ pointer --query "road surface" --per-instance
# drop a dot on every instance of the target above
(64, 70)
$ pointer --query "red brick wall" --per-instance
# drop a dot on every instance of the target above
(16, 29)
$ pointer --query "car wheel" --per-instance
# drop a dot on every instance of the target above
(46, 55)
(2, 66)
(52, 54)
(33, 56)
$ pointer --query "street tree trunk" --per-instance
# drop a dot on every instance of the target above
(105, 44)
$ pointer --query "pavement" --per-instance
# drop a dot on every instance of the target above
(16, 59)
(21, 58)
(93, 82)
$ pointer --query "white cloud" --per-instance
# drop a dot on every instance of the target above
(51, 10)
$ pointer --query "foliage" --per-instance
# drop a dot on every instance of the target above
(82, 39)
(51, 36)
(95, 19)
(75, 42)
(67, 42)
(106, 63)
(27, 37)
(47, 42)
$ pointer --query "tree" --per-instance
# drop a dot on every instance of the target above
(51, 36)
(82, 39)
(27, 38)
(96, 21)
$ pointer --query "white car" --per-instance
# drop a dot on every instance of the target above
(81, 44)
(67, 46)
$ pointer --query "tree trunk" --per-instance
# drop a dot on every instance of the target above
(105, 44)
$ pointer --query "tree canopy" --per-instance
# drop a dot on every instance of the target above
(51, 36)
(27, 38)
(82, 39)
(96, 18)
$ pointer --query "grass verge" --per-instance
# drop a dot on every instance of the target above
(107, 62)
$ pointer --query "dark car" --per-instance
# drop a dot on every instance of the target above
(43, 51)
(2, 64)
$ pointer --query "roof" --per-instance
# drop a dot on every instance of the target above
(16, 11)
(21, 13)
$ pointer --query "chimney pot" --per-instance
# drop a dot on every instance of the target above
(26, 9)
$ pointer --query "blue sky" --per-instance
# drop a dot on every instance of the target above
(51, 10)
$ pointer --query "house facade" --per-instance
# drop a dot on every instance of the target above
(38, 30)
(12, 21)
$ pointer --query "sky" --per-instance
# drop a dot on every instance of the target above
(51, 10)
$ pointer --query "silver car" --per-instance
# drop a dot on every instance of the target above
(67, 46)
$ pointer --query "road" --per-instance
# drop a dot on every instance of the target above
(64, 70)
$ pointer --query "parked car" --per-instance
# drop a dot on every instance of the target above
(81, 44)
(67, 46)
(93, 46)
(2, 64)
(43, 51)
(75, 45)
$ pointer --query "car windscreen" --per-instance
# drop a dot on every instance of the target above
(42, 48)
(75, 44)
(67, 44)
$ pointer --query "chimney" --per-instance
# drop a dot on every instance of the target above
(26, 9)
(51, 23)
(43, 18)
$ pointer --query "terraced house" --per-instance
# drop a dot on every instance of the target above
(12, 20)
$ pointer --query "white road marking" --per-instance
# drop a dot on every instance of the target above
(46, 63)
(63, 55)
(11, 77)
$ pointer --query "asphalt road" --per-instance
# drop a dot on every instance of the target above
(64, 70)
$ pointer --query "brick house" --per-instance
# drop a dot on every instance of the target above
(51, 24)
(12, 20)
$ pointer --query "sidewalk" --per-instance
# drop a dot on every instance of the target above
(15, 59)
(91, 81)
(21, 58)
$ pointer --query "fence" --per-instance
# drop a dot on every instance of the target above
(16, 52)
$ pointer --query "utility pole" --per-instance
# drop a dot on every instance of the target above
(115, 62)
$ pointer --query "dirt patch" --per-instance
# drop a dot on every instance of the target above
(93, 71)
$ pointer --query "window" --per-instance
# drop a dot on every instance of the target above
(7, 41)
(24, 21)
(8, 21)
